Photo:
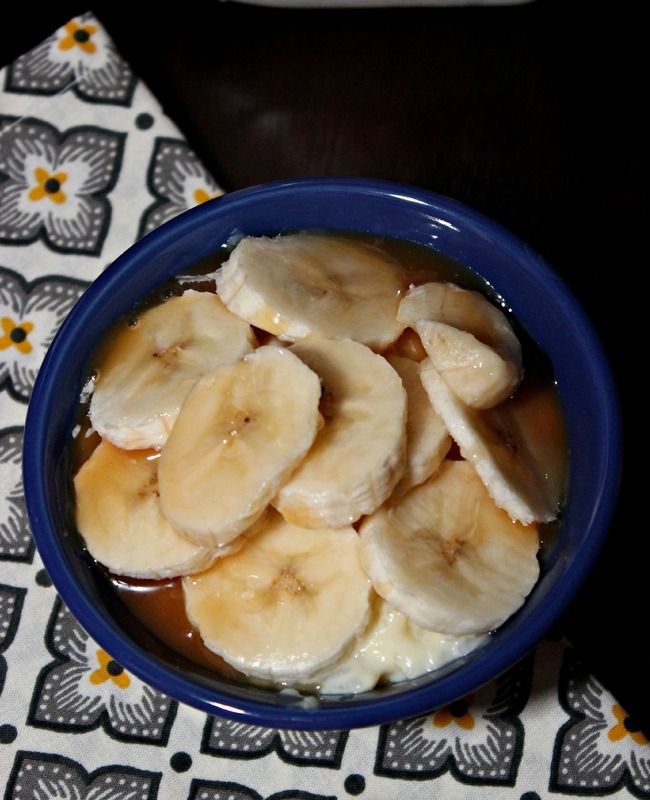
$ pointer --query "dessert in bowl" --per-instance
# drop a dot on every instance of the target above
(542, 307)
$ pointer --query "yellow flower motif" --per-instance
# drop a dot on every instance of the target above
(16, 334)
(79, 36)
(457, 712)
(48, 186)
(109, 669)
(624, 727)
(202, 196)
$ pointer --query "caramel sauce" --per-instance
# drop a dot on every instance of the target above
(86, 440)
(160, 607)
(407, 346)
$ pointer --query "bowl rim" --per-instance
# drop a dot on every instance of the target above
(356, 713)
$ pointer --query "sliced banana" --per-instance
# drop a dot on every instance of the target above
(306, 284)
(469, 341)
(427, 440)
(151, 366)
(118, 515)
(497, 443)
(240, 434)
(285, 605)
(463, 309)
(360, 453)
(447, 557)
(392, 648)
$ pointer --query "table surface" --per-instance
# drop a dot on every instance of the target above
(527, 113)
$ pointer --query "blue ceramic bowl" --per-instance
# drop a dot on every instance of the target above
(539, 300)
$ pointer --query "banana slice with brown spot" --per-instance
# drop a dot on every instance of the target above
(149, 367)
(470, 341)
(448, 558)
(240, 434)
(284, 606)
(118, 515)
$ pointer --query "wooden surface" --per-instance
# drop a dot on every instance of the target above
(530, 114)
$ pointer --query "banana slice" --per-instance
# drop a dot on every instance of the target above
(118, 515)
(360, 453)
(464, 309)
(427, 440)
(285, 605)
(521, 479)
(469, 341)
(392, 648)
(305, 284)
(239, 436)
(447, 557)
(151, 366)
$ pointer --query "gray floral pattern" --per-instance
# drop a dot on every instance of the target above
(79, 55)
(221, 790)
(53, 184)
(11, 603)
(178, 181)
(85, 687)
(600, 748)
(44, 776)
(223, 737)
(228, 790)
(16, 543)
(479, 739)
(30, 315)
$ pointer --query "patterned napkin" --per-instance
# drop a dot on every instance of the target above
(88, 164)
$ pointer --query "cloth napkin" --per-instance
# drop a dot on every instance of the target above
(88, 164)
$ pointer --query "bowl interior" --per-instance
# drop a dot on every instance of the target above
(538, 299)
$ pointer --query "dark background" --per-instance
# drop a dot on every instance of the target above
(532, 114)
